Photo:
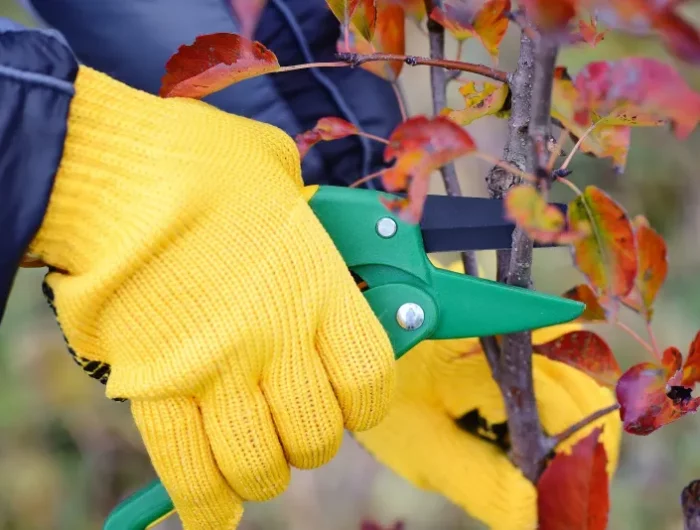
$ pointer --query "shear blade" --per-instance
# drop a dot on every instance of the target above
(467, 223)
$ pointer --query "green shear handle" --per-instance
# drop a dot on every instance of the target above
(412, 299)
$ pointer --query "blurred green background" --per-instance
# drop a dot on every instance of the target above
(68, 455)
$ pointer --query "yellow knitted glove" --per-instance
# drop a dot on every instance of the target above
(188, 268)
(441, 381)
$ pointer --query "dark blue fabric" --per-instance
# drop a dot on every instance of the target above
(37, 72)
(132, 40)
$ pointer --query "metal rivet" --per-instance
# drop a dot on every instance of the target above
(410, 316)
(386, 227)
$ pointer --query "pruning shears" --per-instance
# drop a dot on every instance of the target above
(413, 299)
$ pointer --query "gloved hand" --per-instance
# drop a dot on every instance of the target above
(189, 273)
(440, 382)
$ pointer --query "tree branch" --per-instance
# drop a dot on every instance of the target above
(558, 439)
(531, 93)
(356, 59)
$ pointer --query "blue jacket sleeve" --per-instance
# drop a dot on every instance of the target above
(132, 40)
(37, 72)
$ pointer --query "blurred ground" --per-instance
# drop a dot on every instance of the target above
(67, 454)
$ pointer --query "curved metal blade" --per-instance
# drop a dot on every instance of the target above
(467, 223)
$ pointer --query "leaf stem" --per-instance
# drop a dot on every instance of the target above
(399, 99)
(652, 338)
(366, 178)
(570, 184)
(636, 337)
(373, 137)
(304, 66)
(578, 144)
(558, 439)
(356, 59)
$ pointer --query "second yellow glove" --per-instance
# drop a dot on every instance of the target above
(189, 273)
(444, 383)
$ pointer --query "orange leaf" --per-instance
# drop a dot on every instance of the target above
(478, 103)
(361, 14)
(419, 146)
(594, 311)
(650, 396)
(607, 257)
(214, 62)
(585, 351)
(389, 37)
(573, 491)
(542, 222)
(652, 267)
(691, 369)
(637, 85)
(485, 20)
(248, 13)
(326, 129)
(588, 32)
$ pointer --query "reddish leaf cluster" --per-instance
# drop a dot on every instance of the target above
(573, 491)
(371, 525)
(419, 146)
(326, 129)
(653, 395)
(554, 18)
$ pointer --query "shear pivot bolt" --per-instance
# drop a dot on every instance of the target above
(386, 227)
(410, 316)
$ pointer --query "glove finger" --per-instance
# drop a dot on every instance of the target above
(174, 435)
(245, 443)
(358, 357)
(305, 410)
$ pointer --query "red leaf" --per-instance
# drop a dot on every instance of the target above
(585, 351)
(485, 20)
(637, 85)
(421, 145)
(573, 492)
(594, 311)
(645, 16)
(248, 13)
(691, 369)
(651, 397)
(361, 14)
(326, 129)
(550, 16)
(214, 62)
(608, 256)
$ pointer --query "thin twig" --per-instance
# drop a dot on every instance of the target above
(578, 144)
(356, 59)
(400, 101)
(373, 137)
(366, 178)
(304, 66)
(624, 327)
(505, 165)
(558, 439)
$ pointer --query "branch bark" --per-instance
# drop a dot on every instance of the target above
(530, 86)
(356, 59)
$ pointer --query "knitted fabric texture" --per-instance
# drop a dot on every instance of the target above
(442, 383)
(184, 256)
